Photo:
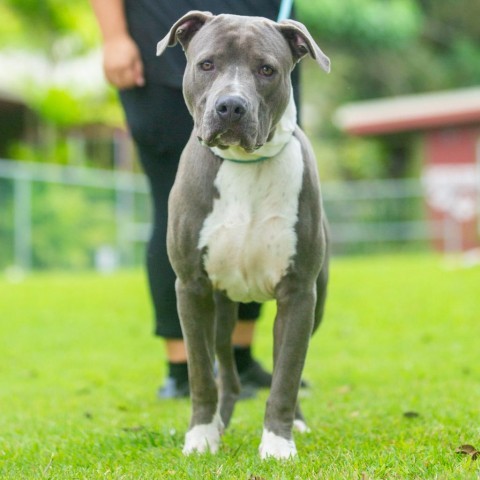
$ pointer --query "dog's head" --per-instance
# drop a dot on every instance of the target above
(237, 80)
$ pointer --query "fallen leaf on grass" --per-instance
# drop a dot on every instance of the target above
(136, 428)
(344, 389)
(411, 414)
(256, 477)
(468, 450)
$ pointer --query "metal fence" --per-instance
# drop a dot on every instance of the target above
(33, 195)
(54, 216)
(376, 215)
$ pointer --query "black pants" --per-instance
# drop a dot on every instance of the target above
(160, 125)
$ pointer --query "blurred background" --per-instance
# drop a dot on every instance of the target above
(396, 129)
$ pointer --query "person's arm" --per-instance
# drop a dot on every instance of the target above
(122, 62)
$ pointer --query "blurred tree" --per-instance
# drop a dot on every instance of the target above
(361, 23)
(379, 48)
(56, 31)
(400, 46)
(451, 33)
(57, 27)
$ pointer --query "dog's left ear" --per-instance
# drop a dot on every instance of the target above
(183, 30)
(302, 43)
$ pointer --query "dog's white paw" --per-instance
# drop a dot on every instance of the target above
(203, 438)
(300, 426)
(277, 447)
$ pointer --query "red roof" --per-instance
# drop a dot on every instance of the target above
(412, 112)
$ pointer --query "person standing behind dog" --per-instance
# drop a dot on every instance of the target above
(151, 95)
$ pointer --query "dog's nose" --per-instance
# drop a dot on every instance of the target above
(231, 108)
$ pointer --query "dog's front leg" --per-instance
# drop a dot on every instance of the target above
(226, 317)
(292, 331)
(196, 309)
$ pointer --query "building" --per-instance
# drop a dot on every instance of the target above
(449, 125)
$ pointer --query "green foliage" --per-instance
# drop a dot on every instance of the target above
(68, 225)
(463, 61)
(448, 20)
(361, 159)
(66, 229)
(400, 335)
(6, 222)
(362, 23)
(60, 107)
(54, 151)
(10, 26)
(53, 14)
(378, 48)
(44, 23)
(382, 49)
(64, 107)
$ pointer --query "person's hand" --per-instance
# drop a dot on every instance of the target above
(122, 63)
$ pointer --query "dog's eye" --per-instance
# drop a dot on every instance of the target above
(207, 66)
(266, 71)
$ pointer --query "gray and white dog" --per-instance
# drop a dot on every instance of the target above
(245, 216)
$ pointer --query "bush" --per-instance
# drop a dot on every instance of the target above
(68, 225)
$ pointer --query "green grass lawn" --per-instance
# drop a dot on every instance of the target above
(79, 370)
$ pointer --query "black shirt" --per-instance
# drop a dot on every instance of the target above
(150, 20)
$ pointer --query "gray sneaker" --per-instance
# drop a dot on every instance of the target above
(172, 389)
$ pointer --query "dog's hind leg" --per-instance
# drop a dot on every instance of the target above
(197, 311)
(322, 280)
(226, 317)
(299, 424)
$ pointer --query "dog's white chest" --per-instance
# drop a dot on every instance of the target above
(250, 234)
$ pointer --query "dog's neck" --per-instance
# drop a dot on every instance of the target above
(282, 135)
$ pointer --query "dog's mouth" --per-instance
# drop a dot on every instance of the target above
(229, 138)
(247, 132)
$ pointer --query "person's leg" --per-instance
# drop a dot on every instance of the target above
(251, 373)
(244, 333)
(160, 126)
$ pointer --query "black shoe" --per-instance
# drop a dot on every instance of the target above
(173, 389)
(256, 376)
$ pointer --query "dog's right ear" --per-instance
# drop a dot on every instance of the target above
(183, 30)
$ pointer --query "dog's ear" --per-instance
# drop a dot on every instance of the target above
(302, 43)
(183, 30)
